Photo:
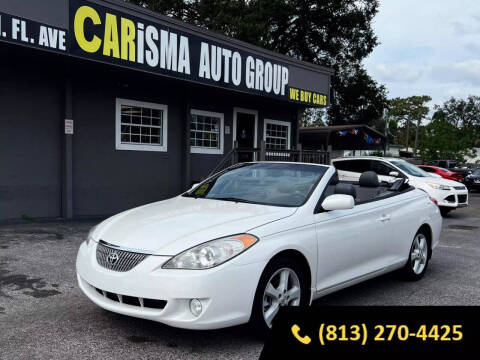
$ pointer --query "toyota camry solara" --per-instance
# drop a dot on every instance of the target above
(252, 238)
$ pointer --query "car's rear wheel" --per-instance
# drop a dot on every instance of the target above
(418, 258)
(281, 284)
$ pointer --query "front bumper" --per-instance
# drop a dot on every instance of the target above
(226, 292)
(451, 199)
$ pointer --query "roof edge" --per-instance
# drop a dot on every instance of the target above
(216, 35)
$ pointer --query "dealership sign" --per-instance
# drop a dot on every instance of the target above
(145, 43)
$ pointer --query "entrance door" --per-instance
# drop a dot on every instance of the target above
(245, 133)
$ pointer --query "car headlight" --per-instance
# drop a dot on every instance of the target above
(211, 253)
(89, 236)
(439, 187)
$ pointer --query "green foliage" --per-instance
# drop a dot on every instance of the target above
(444, 140)
(463, 114)
(402, 113)
(357, 99)
(313, 117)
(454, 130)
(333, 33)
(410, 108)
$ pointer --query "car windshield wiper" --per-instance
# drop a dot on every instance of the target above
(233, 199)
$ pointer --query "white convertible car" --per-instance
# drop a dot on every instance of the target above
(252, 238)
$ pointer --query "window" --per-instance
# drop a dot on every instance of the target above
(206, 132)
(140, 126)
(277, 184)
(342, 165)
(427, 169)
(358, 166)
(381, 168)
(277, 134)
(410, 169)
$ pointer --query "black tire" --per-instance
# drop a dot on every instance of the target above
(444, 211)
(257, 320)
(408, 272)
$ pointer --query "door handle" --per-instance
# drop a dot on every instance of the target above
(384, 218)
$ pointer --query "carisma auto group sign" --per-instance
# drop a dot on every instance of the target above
(146, 43)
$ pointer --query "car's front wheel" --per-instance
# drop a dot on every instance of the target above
(281, 284)
(445, 210)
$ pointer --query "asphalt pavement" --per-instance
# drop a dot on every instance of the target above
(43, 314)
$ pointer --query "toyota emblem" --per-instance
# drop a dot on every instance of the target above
(112, 258)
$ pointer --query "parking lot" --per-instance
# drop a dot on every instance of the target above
(43, 314)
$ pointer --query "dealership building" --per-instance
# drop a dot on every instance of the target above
(106, 106)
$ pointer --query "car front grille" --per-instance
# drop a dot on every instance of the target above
(459, 187)
(462, 198)
(133, 300)
(117, 260)
(450, 198)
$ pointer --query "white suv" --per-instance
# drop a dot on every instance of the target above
(448, 194)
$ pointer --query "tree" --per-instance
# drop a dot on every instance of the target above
(406, 110)
(454, 130)
(333, 33)
(443, 140)
(463, 114)
(357, 99)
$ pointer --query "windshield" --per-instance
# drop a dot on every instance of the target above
(410, 169)
(277, 184)
(445, 170)
(476, 172)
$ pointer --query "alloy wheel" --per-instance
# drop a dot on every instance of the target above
(283, 289)
(419, 254)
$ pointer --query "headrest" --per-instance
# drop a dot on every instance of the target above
(345, 189)
(369, 179)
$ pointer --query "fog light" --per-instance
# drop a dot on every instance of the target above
(195, 307)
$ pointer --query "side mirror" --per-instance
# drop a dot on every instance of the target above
(338, 202)
(394, 173)
(194, 185)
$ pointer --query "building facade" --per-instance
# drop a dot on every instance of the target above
(107, 106)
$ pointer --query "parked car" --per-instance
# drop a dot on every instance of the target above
(444, 173)
(447, 164)
(451, 165)
(473, 180)
(253, 238)
(448, 194)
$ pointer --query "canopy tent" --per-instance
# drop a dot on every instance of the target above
(342, 137)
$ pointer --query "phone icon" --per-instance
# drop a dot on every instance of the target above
(303, 339)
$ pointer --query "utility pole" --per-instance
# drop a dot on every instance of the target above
(408, 130)
(385, 117)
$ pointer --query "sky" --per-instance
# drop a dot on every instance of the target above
(427, 47)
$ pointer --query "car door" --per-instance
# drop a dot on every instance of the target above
(352, 243)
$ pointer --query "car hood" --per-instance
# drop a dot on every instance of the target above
(434, 180)
(172, 226)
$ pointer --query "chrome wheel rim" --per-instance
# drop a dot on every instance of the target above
(283, 289)
(419, 254)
